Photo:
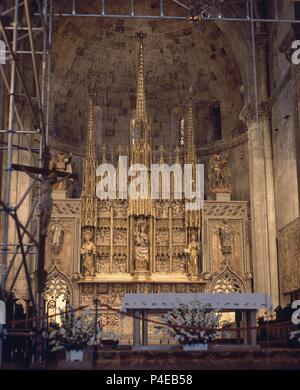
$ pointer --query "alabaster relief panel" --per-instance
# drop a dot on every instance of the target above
(162, 209)
(177, 209)
(178, 223)
(62, 245)
(162, 259)
(225, 237)
(120, 236)
(120, 209)
(216, 257)
(289, 256)
(103, 260)
(179, 236)
(119, 259)
(103, 236)
(110, 322)
(104, 209)
(162, 237)
(179, 259)
(112, 293)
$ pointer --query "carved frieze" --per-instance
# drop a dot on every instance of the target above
(232, 209)
(66, 207)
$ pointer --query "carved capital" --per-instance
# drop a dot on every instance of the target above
(250, 114)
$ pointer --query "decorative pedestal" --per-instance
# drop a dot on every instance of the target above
(194, 278)
(59, 194)
(140, 275)
(223, 196)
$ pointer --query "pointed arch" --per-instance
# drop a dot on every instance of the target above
(226, 282)
(58, 286)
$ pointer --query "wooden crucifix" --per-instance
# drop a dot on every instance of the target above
(47, 177)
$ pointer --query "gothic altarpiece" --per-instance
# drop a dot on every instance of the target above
(106, 248)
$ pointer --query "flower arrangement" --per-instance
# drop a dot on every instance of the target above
(75, 332)
(193, 323)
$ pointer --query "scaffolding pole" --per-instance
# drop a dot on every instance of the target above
(213, 10)
(12, 146)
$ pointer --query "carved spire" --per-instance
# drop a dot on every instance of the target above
(192, 217)
(140, 123)
(191, 144)
(90, 143)
(89, 199)
(141, 111)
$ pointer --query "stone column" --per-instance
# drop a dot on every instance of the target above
(263, 222)
(286, 48)
(262, 190)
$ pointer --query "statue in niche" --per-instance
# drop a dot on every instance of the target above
(88, 252)
(61, 163)
(193, 252)
(226, 237)
(219, 174)
(141, 248)
(57, 235)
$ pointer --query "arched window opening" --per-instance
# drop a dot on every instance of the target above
(57, 295)
(216, 121)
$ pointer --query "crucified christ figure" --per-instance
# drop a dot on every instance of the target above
(46, 203)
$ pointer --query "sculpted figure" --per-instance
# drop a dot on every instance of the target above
(141, 249)
(45, 202)
(219, 174)
(47, 183)
(57, 232)
(88, 252)
(61, 163)
(193, 252)
(225, 235)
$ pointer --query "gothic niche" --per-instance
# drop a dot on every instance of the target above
(58, 293)
(141, 246)
(88, 255)
(227, 282)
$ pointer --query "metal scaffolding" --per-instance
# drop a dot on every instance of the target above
(26, 29)
(209, 10)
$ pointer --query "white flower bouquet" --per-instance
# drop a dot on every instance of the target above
(75, 332)
(193, 323)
